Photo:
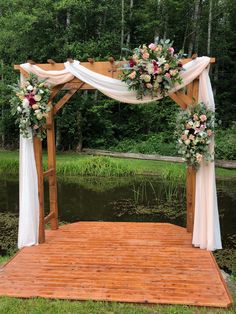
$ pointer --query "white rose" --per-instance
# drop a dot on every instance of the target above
(41, 91)
(19, 109)
(37, 97)
(25, 103)
(39, 116)
(187, 142)
(30, 88)
(37, 111)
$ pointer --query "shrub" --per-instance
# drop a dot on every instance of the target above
(226, 143)
(8, 233)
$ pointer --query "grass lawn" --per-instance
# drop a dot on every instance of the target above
(44, 306)
(68, 164)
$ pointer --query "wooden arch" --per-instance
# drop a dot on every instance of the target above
(110, 69)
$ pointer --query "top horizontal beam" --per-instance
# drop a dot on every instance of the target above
(107, 68)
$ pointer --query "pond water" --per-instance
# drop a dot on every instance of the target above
(132, 199)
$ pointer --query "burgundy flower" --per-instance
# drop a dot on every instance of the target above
(31, 99)
(132, 63)
(180, 65)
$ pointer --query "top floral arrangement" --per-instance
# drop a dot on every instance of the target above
(30, 106)
(152, 70)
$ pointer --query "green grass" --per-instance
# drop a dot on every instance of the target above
(77, 164)
(44, 306)
(4, 259)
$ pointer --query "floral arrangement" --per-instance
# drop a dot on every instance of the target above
(195, 128)
(30, 106)
(153, 69)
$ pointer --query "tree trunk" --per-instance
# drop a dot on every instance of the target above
(79, 128)
(130, 19)
(3, 131)
(209, 29)
(194, 27)
(122, 24)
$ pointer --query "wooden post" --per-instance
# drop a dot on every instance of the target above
(52, 171)
(39, 166)
(190, 196)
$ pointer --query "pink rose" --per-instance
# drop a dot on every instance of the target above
(132, 75)
(195, 117)
(167, 75)
(145, 55)
(209, 132)
(199, 157)
(203, 117)
(184, 137)
(149, 85)
(166, 66)
(152, 46)
(171, 50)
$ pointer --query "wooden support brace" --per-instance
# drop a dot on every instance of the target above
(49, 217)
(181, 99)
(49, 172)
(65, 98)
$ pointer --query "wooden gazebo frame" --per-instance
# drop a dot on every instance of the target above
(182, 98)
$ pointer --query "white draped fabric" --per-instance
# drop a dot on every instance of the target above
(206, 229)
(29, 203)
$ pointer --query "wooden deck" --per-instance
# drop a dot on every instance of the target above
(127, 262)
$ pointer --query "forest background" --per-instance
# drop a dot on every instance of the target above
(83, 29)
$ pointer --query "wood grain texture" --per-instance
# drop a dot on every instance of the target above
(126, 262)
(39, 167)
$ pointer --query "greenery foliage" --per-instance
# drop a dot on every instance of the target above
(194, 131)
(95, 166)
(8, 233)
(30, 106)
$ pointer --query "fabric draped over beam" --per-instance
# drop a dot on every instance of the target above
(206, 233)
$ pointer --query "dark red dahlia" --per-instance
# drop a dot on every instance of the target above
(31, 99)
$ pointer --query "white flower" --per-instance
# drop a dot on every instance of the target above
(19, 109)
(25, 103)
(161, 61)
(41, 91)
(37, 111)
(39, 116)
(37, 97)
(186, 132)
(187, 142)
(30, 88)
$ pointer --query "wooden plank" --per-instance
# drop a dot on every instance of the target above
(125, 262)
(39, 166)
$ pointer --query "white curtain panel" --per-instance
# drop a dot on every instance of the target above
(206, 234)
(29, 202)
